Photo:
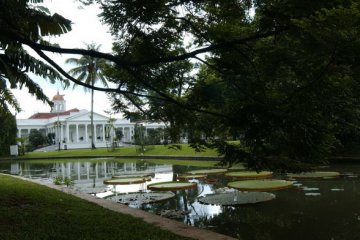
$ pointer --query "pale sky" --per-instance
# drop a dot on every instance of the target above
(86, 28)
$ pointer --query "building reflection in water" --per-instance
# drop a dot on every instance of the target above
(93, 174)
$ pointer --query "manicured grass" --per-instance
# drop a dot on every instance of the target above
(31, 211)
(125, 151)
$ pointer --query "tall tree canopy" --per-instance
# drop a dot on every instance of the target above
(281, 76)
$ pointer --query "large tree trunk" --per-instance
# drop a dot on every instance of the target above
(92, 118)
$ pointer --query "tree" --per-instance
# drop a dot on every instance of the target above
(20, 20)
(283, 80)
(139, 137)
(8, 132)
(154, 136)
(88, 70)
(36, 138)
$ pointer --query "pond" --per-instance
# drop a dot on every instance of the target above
(327, 209)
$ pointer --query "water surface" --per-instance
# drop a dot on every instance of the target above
(318, 210)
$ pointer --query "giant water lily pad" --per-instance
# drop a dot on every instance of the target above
(141, 198)
(171, 186)
(249, 174)
(191, 176)
(124, 181)
(208, 171)
(146, 177)
(314, 175)
(260, 185)
(236, 198)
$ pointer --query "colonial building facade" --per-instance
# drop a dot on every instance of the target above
(71, 129)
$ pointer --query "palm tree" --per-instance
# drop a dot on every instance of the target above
(88, 70)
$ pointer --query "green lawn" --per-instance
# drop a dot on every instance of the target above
(31, 211)
(125, 151)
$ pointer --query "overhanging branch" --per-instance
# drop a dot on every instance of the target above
(166, 59)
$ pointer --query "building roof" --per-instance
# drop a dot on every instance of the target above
(51, 115)
(58, 97)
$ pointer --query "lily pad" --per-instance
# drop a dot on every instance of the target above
(141, 198)
(312, 194)
(208, 171)
(171, 186)
(310, 189)
(124, 181)
(249, 174)
(192, 176)
(260, 185)
(146, 177)
(236, 168)
(236, 198)
(315, 175)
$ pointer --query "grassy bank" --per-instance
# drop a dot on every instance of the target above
(31, 211)
(162, 150)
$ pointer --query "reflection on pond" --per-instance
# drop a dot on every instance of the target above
(313, 209)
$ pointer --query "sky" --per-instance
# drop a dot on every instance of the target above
(86, 28)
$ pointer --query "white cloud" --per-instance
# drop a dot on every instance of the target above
(86, 28)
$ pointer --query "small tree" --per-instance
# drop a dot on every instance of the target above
(154, 136)
(51, 138)
(119, 134)
(139, 137)
(36, 138)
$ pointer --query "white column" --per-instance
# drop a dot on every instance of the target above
(61, 133)
(67, 132)
(86, 133)
(95, 137)
(103, 132)
(77, 133)
(19, 132)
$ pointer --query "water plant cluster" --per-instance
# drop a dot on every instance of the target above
(67, 181)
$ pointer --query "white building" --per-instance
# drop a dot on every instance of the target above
(72, 128)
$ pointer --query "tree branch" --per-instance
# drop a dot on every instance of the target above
(166, 59)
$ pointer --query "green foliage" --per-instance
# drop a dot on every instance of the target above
(21, 21)
(154, 136)
(119, 134)
(283, 81)
(36, 138)
(58, 180)
(139, 138)
(67, 181)
(50, 138)
(8, 132)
